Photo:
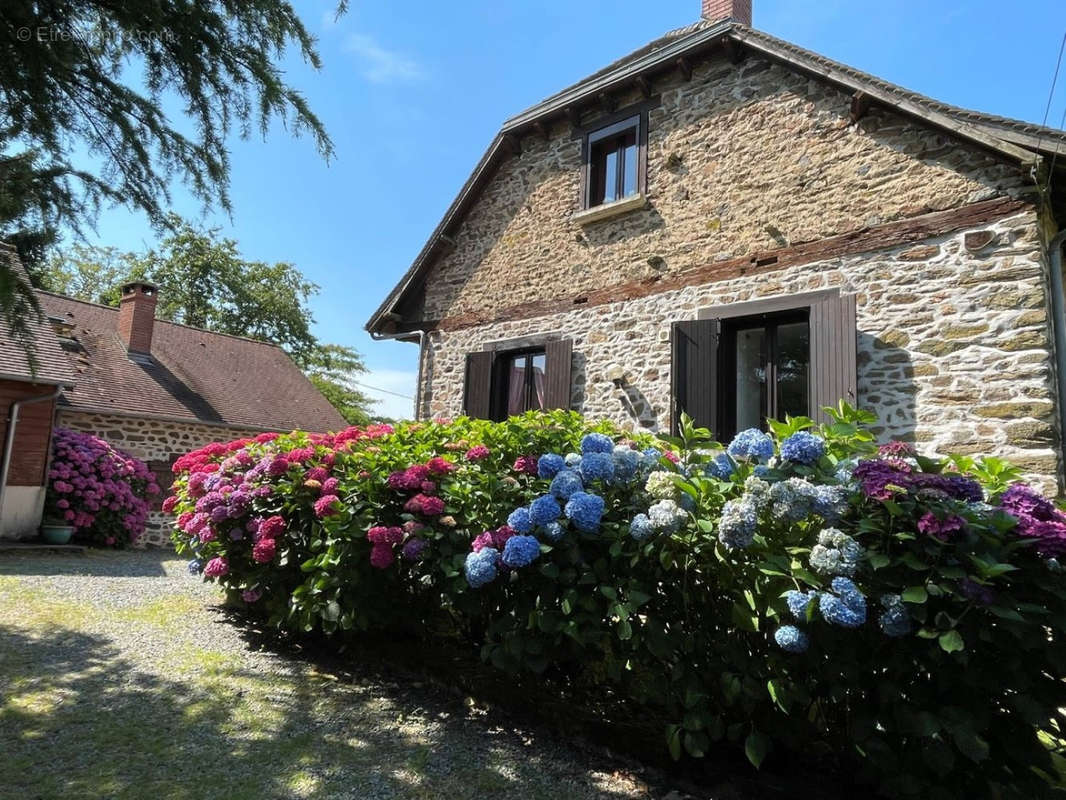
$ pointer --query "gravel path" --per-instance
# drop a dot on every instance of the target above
(120, 677)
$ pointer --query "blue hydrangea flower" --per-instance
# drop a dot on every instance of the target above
(722, 467)
(597, 466)
(565, 484)
(798, 601)
(894, 619)
(830, 502)
(836, 553)
(521, 551)
(549, 464)
(196, 566)
(626, 463)
(752, 443)
(666, 516)
(791, 639)
(573, 460)
(792, 499)
(650, 457)
(686, 502)
(844, 472)
(480, 567)
(846, 608)
(553, 531)
(520, 520)
(585, 511)
(736, 528)
(641, 528)
(803, 448)
(543, 510)
(761, 470)
(596, 443)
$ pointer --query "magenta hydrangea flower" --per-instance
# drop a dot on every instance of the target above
(326, 505)
(382, 556)
(264, 550)
(217, 567)
(477, 453)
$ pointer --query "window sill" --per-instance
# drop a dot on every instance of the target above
(608, 210)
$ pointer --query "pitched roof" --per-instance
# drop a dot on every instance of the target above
(1023, 142)
(192, 375)
(52, 366)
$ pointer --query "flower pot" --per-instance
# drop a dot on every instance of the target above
(56, 533)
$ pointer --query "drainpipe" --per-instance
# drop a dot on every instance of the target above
(9, 442)
(380, 337)
(1058, 317)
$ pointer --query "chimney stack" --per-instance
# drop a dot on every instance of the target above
(136, 315)
(736, 10)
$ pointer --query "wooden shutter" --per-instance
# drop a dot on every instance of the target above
(833, 367)
(557, 357)
(477, 399)
(694, 372)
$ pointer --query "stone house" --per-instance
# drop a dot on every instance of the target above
(157, 389)
(724, 224)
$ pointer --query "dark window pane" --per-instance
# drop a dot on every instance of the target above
(793, 360)
(610, 171)
(537, 389)
(516, 386)
(751, 378)
(630, 181)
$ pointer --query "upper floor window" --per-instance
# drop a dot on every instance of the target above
(614, 162)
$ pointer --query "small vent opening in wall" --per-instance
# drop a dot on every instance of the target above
(765, 262)
(580, 301)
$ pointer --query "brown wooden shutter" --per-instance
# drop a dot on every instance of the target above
(477, 400)
(694, 372)
(557, 357)
(833, 366)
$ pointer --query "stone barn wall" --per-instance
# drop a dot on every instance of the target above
(155, 442)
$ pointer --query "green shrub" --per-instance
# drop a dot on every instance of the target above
(805, 595)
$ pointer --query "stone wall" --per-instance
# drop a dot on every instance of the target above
(155, 442)
(953, 346)
(741, 159)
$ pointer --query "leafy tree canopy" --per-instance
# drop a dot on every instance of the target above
(204, 281)
(82, 121)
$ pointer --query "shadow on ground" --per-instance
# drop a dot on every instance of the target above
(80, 720)
(146, 563)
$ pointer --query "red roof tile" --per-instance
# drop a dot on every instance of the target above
(192, 374)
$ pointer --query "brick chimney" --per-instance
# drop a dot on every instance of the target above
(736, 10)
(136, 315)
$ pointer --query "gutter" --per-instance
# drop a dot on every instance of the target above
(421, 332)
(1058, 324)
(9, 442)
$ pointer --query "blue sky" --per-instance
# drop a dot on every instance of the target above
(413, 91)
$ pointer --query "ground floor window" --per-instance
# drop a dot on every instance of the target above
(738, 365)
(518, 385)
(765, 369)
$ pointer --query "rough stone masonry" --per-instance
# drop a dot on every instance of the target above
(953, 334)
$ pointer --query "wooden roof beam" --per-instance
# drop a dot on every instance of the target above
(684, 67)
(860, 104)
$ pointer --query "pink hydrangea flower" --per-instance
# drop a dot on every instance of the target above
(330, 486)
(264, 550)
(526, 465)
(326, 505)
(169, 503)
(251, 595)
(216, 567)
(382, 556)
(477, 452)
(271, 527)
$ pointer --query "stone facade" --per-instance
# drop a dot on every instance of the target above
(155, 442)
(741, 159)
(953, 347)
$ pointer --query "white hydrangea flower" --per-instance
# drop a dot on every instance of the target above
(661, 486)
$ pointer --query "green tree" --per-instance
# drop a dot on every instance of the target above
(205, 282)
(85, 81)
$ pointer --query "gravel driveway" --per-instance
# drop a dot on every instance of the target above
(121, 678)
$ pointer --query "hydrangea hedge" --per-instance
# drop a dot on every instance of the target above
(802, 593)
(100, 491)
